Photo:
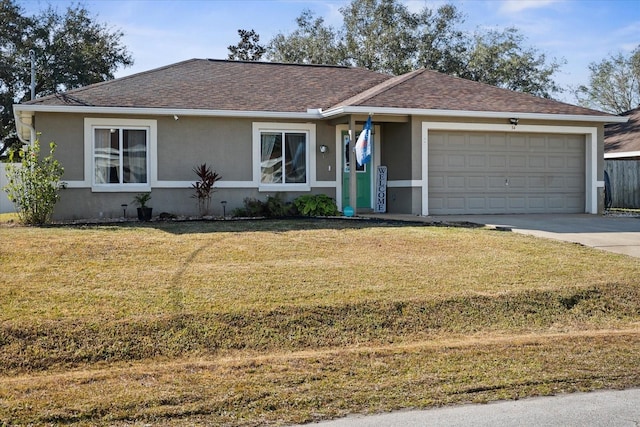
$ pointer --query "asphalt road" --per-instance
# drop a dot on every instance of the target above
(601, 408)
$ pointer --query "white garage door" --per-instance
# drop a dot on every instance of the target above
(493, 173)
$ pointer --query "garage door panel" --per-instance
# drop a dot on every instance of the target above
(538, 143)
(437, 161)
(497, 183)
(477, 161)
(481, 173)
(498, 161)
(517, 161)
(477, 203)
(477, 182)
(517, 183)
(536, 203)
(537, 162)
(517, 203)
(456, 182)
(497, 203)
(517, 142)
(575, 163)
(456, 161)
(497, 141)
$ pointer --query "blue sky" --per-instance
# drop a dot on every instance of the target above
(162, 32)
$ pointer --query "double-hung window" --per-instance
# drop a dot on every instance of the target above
(283, 151)
(120, 154)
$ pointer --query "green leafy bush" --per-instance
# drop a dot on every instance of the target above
(273, 207)
(34, 185)
(316, 205)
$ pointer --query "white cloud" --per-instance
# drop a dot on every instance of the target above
(515, 6)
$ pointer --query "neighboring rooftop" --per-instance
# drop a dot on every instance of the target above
(621, 138)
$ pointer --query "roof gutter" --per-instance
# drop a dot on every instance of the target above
(622, 154)
(314, 114)
(310, 114)
(333, 112)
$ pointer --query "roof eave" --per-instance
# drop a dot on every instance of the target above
(309, 114)
(338, 111)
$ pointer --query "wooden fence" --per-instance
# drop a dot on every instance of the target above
(624, 176)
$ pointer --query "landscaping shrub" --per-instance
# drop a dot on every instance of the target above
(316, 205)
(34, 186)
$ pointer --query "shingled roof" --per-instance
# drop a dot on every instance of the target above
(623, 138)
(425, 89)
(225, 85)
(204, 84)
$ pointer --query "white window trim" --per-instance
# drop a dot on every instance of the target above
(90, 123)
(259, 127)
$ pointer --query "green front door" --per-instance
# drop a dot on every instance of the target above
(363, 178)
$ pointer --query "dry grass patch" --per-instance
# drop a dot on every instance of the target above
(284, 388)
(268, 322)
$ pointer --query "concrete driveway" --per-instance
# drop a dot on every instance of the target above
(610, 233)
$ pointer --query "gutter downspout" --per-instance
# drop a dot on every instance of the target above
(20, 124)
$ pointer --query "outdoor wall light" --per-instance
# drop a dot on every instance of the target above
(175, 117)
(513, 121)
(324, 149)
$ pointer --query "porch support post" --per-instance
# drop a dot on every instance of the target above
(353, 184)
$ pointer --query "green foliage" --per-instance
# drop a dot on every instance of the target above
(252, 208)
(316, 205)
(203, 188)
(34, 184)
(277, 207)
(499, 58)
(311, 43)
(385, 36)
(248, 48)
(273, 207)
(142, 199)
(614, 83)
(71, 50)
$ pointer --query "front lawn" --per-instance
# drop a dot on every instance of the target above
(280, 322)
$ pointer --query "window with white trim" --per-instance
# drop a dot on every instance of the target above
(120, 156)
(119, 153)
(283, 151)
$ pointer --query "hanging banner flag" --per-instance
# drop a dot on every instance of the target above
(363, 145)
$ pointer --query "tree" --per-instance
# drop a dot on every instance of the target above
(385, 36)
(442, 45)
(248, 48)
(13, 39)
(614, 83)
(311, 43)
(71, 50)
(498, 58)
(381, 35)
(34, 185)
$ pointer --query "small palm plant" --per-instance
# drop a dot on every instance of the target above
(204, 187)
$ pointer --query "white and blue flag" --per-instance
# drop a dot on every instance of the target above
(363, 145)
